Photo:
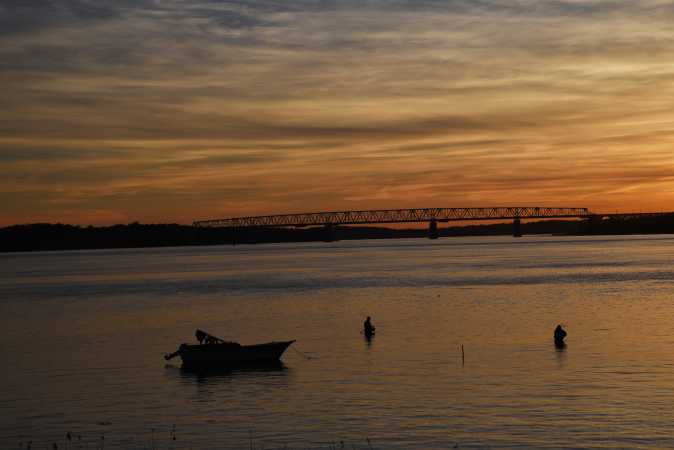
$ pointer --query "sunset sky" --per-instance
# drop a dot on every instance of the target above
(177, 110)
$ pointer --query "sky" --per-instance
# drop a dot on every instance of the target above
(163, 111)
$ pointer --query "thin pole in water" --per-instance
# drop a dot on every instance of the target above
(463, 356)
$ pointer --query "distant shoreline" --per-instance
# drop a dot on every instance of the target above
(44, 237)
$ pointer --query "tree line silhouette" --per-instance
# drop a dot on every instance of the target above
(43, 236)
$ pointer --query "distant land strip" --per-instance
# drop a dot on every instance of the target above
(46, 237)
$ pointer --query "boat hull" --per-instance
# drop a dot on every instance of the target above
(227, 355)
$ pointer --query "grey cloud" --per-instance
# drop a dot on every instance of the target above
(147, 38)
(38, 154)
(17, 16)
(221, 160)
(21, 16)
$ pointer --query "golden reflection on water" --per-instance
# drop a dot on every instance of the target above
(88, 350)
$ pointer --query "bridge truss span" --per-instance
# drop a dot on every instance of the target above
(397, 216)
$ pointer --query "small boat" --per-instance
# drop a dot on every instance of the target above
(215, 352)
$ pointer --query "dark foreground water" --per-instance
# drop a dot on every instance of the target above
(83, 334)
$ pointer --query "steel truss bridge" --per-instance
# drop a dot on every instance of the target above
(430, 215)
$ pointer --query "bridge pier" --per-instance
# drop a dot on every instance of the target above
(590, 225)
(328, 233)
(517, 230)
(433, 229)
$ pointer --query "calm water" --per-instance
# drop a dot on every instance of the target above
(83, 334)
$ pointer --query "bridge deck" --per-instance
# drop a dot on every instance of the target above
(397, 216)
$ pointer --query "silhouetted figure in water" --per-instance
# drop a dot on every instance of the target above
(368, 328)
(560, 334)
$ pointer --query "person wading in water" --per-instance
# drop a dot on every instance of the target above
(560, 334)
(368, 328)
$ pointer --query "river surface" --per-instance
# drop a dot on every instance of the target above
(83, 334)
